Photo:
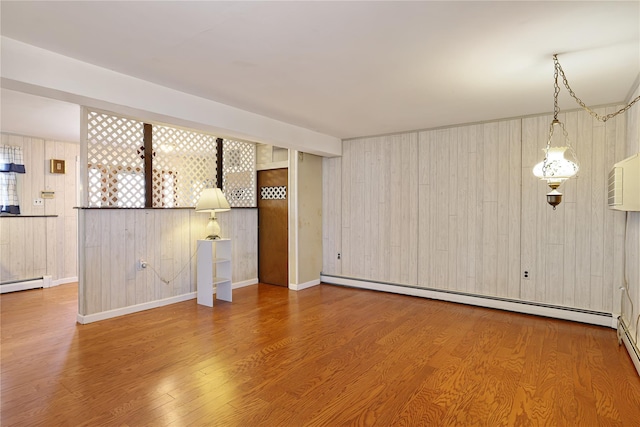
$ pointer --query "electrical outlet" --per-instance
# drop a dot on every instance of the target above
(526, 275)
(338, 255)
(38, 202)
(142, 264)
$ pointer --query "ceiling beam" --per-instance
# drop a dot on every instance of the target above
(37, 71)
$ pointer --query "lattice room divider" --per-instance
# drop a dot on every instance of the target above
(239, 173)
(184, 163)
(115, 168)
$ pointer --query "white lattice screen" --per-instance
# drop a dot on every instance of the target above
(115, 165)
(273, 193)
(185, 164)
(239, 173)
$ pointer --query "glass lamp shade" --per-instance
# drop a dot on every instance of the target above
(556, 168)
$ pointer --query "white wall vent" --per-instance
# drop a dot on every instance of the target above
(624, 185)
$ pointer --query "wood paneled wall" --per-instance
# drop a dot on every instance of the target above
(35, 247)
(575, 253)
(25, 248)
(630, 313)
(114, 240)
(332, 215)
(459, 209)
(470, 209)
(241, 225)
(380, 208)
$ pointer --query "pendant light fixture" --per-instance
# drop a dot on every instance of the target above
(561, 162)
(556, 168)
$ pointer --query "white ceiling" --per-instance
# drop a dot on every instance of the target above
(350, 69)
(31, 115)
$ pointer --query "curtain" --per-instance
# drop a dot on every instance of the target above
(11, 159)
(11, 163)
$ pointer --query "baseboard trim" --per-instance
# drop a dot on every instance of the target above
(244, 283)
(109, 314)
(518, 306)
(625, 336)
(63, 281)
(301, 286)
(103, 315)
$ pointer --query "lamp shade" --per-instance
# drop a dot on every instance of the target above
(555, 167)
(212, 200)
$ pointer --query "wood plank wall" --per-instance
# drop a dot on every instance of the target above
(240, 225)
(575, 253)
(470, 209)
(332, 215)
(379, 208)
(630, 313)
(116, 239)
(35, 247)
(459, 209)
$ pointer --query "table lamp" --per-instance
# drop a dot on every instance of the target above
(212, 200)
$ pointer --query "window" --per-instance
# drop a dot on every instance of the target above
(11, 163)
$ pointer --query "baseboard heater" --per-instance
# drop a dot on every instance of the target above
(519, 306)
(22, 285)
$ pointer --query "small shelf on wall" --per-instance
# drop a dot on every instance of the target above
(27, 216)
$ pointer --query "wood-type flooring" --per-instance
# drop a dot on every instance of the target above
(324, 356)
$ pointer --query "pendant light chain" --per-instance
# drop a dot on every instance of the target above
(556, 110)
(556, 168)
(559, 69)
(556, 87)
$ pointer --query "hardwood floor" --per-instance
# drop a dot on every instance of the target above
(323, 356)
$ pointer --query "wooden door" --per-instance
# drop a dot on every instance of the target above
(273, 227)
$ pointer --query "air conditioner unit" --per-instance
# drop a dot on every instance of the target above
(624, 184)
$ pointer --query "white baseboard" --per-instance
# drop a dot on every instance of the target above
(64, 281)
(546, 310)
(633, 351)
(109, 314)
(43, 282)
(244, 283)
(305, 285)
(103, 315)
